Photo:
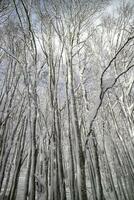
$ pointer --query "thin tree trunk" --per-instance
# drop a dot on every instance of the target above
(81, 178)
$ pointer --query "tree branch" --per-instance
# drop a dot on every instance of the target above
(11, 55)
(103, 92)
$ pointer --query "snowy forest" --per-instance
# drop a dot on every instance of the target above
(66, 100)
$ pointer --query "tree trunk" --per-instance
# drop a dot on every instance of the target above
(81, 178)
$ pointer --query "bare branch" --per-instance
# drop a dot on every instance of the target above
(101, 101)
(11, 55)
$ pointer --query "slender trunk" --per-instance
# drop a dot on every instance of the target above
(100, 192)
(26, 188)
(34, 160)
(71, 172)
(60, 159)
(13, 191)
(79, 155)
